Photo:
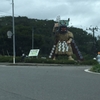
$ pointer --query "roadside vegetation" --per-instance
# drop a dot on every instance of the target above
(96, 68)
(9, 59)
(93, 63)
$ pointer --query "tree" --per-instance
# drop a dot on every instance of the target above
(43, 36)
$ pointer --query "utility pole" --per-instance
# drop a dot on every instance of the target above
(93, 30)
(32, 38)
(13, 32)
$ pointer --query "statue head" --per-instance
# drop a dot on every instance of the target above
(62, 29)
(61, 26)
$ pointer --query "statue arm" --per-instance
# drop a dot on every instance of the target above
(69, 41)
(70, 37)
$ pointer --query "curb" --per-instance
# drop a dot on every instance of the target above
(87, 70)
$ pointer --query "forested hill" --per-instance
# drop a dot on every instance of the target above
(43, 36)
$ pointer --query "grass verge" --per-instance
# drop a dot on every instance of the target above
(96, 68)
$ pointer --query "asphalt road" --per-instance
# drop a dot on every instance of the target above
(48, 83)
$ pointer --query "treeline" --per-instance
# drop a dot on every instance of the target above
(43, 37)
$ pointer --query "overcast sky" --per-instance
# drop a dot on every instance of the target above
(82, 13)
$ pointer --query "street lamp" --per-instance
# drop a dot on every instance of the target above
(13, 32)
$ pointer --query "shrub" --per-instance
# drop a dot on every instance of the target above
(89, 62)
(49, 61)
(9, 59)
(5, 58)
(96, 68)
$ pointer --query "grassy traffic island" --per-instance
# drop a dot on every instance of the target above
(95, 68)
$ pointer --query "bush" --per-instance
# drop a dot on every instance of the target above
(49, 61)
(9, 59)
(96, 68)
(5, 58)
(89, 62)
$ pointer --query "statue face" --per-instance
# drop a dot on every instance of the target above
(62, 29)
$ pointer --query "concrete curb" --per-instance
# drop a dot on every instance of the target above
(41, 64)
(88, 70)
(34, 64)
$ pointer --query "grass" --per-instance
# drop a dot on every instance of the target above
(96, 68)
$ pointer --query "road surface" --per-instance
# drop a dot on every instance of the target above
(48, 83)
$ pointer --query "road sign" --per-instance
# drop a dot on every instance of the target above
(34, 52)
(9, 34)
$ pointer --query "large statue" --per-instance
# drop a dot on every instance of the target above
(64, 43)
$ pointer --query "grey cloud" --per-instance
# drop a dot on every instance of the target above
(81, 12)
